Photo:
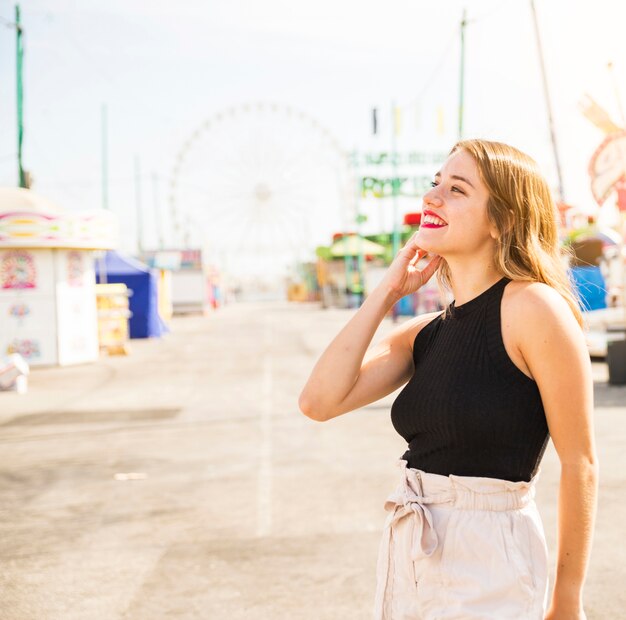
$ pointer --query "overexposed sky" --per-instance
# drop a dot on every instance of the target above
(163, 68)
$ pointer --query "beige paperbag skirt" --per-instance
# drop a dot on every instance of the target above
(462, 548)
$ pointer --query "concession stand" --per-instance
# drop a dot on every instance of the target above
(47, 278)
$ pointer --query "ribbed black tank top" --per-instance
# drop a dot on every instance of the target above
(468, 410)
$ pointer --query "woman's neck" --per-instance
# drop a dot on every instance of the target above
(468, 280)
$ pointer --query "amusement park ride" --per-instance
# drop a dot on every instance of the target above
(608, 164)
(258, 186)
(607, 170)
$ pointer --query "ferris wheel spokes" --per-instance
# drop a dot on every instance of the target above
(260, 178)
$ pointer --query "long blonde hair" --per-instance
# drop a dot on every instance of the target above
(521, 208)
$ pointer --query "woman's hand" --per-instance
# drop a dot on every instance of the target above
(402, 277)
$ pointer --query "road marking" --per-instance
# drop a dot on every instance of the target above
(264, 497)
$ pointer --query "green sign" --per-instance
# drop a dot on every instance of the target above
(415, 186)
(386, 158)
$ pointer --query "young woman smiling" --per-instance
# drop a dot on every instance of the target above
(486, 383)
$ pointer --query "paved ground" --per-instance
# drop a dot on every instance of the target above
(182, 482)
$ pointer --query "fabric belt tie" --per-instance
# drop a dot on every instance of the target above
(411, 499)
(402, 504)
(409, 504)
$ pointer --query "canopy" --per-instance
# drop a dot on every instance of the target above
(349, 246)
(28, 220)
(591, 287)
(145, 321)
(608, 236)
(122, 264)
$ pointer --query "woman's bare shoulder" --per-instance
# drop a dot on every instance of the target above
(525, 303)
(415, 325)
(524, 295)
(528, 308)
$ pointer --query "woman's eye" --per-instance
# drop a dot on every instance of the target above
(454, 188)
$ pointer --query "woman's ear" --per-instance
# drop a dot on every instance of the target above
(505, 225)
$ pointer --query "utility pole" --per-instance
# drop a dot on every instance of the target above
(157, 213)
(105, 184)
(359, 219)
(395, 190)
(138, 205)
(394, 179)
(105, 163)
(187, 235)
(462, 75)
(546, 92)
(19, 58)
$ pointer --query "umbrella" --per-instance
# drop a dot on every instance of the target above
(608, 236)
(349, 246)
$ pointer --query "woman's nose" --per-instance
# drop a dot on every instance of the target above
(432, 199)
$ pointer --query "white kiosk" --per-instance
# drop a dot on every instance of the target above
(47, 280)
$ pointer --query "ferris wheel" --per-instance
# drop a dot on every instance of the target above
(259, 186)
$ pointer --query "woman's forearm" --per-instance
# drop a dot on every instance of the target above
(337, 370)
(577, 508)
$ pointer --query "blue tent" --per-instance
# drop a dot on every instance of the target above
(591, 287)
(145, 321)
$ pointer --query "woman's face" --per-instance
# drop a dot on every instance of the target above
(454, 218)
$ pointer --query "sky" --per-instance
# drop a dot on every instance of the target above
(163, 70)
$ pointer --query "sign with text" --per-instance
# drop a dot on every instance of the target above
(389, 158)
(410, 186)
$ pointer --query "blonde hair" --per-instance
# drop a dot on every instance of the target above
(521, 208)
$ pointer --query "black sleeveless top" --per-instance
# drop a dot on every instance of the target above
(468, 410)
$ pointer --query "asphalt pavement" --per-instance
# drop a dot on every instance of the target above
(183, 482)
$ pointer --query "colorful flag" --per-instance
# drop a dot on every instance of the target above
(417, 115)
(397, 120)
(440, 123)
(597, 115)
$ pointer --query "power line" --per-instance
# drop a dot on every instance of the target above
(446, 51)
(434, 73)
(501, 5)
(8, 23)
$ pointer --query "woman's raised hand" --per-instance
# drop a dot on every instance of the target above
(403, 277)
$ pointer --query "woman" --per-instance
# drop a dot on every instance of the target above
(490, 379)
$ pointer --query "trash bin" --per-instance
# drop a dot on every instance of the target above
(616, 360)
